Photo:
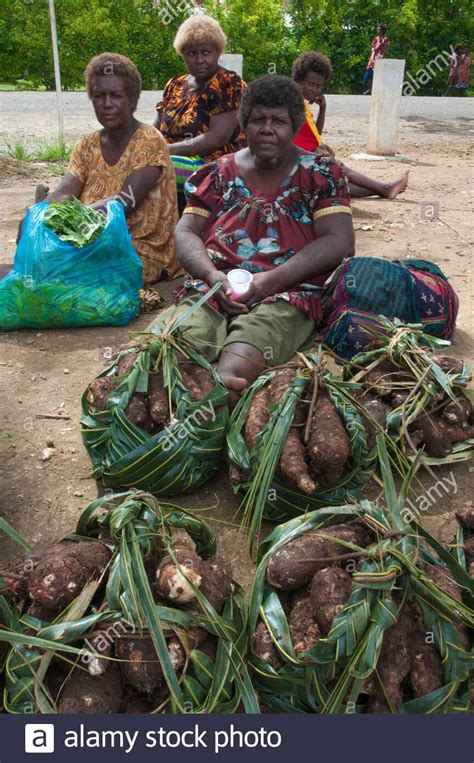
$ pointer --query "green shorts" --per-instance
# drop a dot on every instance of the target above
(278, 329)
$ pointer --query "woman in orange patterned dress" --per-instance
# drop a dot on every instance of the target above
(128, 161)
(198, 113)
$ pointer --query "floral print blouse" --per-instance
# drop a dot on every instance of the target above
(187, 113)
(248, 229)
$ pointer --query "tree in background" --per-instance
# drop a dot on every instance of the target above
(269, 34)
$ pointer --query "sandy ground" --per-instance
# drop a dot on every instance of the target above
(45, 372)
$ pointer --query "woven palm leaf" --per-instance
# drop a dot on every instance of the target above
(133, 523)
(390, 574)
(183, 454)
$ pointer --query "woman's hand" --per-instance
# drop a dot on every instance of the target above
(263, 285)
(321, 101)
(223, 296)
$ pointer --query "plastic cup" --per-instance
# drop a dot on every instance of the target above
(240, 281)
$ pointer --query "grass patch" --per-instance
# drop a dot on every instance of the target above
(44, 151)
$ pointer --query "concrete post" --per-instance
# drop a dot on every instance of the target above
(385, 106)
(232, 61)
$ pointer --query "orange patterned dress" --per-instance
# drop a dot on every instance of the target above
(152, 224)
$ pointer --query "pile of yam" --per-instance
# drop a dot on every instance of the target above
(150, 410)
(317, 451)
(312, 576)
(120, 671)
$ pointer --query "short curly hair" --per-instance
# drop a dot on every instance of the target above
(311, 61)
(273, 91)
(121, 66)
(199, 29)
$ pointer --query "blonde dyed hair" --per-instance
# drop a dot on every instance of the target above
(199, 30)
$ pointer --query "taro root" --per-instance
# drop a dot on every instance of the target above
(173, 578)
(140, 666)
(449, 365)
(378, 411)
(124, 366)
(381, 379)
(466, 517)
(21, 569)
(304, 630)
(329, 591)
(158, 399)
(216, 586)
(176, 652)
(257, 416)
(99, 391)
(393, 664)
(136, 410)
(426, 668)
(294, 564)
(457, 412)
(328, 445)
(64, 570)
(133, 704)
(436, 439)
(84, 693)
(102, 646)
(209, 647)
(263, 646)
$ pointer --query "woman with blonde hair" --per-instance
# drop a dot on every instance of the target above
(198, 113)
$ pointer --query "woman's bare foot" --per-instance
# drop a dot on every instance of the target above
(41, 192)
(392, 190)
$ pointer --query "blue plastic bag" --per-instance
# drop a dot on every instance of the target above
(55, 284)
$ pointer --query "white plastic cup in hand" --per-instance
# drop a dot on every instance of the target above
(240, 281)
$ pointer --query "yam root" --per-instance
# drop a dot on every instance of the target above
(393, 665)
(263, 646)
(173, 580)
(257, 416)
(426, 668)
(294, 564)
(280, 383)
(293, 466)
(328, 445)
(84, 693)
(124, 366)
(303, 627)
(141, 668)
(466, 517)
(442, 578)
(329, 591)
(197, 380)
(62, 573)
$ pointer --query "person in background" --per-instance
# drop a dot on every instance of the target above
(198, 113)
(459, 71)
(128, 161)
(380, 45)
(311, 71)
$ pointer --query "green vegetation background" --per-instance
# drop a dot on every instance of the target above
(269, 33)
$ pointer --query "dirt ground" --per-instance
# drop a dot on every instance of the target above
(45, 372)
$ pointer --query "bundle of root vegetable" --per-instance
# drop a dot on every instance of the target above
(303, 437)
(133, 613)
(424, 392)
(353, 610)
(155, 419)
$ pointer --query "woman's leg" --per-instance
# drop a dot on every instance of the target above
(361, 185)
